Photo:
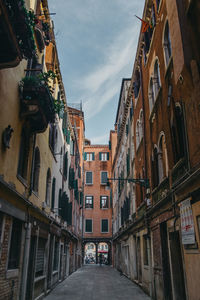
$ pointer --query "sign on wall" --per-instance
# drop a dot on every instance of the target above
(187, 223)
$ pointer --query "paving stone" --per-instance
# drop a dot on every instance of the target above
(93, 282)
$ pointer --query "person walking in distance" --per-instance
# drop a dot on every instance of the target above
(100, 259)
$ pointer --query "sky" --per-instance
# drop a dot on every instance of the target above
(97, 42)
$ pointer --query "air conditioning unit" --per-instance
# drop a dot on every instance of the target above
(44, 205)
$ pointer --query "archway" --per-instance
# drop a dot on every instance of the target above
(90, 253)
(103, 253)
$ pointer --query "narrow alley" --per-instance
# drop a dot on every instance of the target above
(93, 282)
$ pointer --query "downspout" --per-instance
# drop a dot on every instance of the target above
(32, 164)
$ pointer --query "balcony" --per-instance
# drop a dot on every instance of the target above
(161, 191)
(16, 33)
(37, 103)
(179, 170)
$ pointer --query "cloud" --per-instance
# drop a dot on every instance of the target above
(99, 139)
(103, 83)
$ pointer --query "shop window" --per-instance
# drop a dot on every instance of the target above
(15, 245)
(145, 250)
(104, 225)
(36, 169)
(167, 44)
(56, 256)
(88, 225)
(104, 202)
(89, 179)
(48, 187)
(40, 257)
(88, 201)
(104, 177)
(53, 190)
(23, 155)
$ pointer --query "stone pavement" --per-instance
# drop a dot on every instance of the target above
(93, 282)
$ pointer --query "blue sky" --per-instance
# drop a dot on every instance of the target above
(97, 41)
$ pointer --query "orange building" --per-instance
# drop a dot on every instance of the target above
(97, 205)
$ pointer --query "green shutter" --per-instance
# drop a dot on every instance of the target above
(92, 201)
(109, 145)
(107, 155)
(100, 202)
(99, 155)
(93, 156)
(68, 137)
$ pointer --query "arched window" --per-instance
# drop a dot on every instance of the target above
(141, 128)
(167, 44)
(156, 79)
(53, 136)
(48, 187)
(151, 95)
(36, 169)
(178, 133)
(23, 154)
(155, 177)
(53, 194)
(158, 4)
(137, 134)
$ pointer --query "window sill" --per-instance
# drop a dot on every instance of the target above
(12, 273)
(89, 208)
(55, 272)
(89, 184)
(88, 232)
(104, 232)
(104, 208)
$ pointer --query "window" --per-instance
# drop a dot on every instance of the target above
(71, 147)
(103, 156)
(141, 125)
(137, 134)
(89, 179)
(178, 133)
(15, 245)
(48, 187)
(151, 95)
(167, 44)
(88, 201)
(104, 225)
(156, 79)
(53, 193)
(158, 4)
(53, 136)
(65, 166)
(162, 159)
(36, 170)
(89, 156)
(88, 225)
(155, 175)
(145, 250)
(104, 177)
(23, 155)
(136, 84)
(103, 201)
(39, 265)
(56, 256)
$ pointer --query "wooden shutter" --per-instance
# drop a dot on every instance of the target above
(107, 155)
(68, 137)
(99, 155)
(100, 201)
(39, 266)
(93, 156)
(85, 156)
(104, 225)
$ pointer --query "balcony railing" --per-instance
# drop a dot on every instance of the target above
(178, 170)
(16, 33)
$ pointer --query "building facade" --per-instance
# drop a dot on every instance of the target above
(39, 231)
(165, 90)
(97, 205)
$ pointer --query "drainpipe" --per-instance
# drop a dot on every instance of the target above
(25, 261)
(32, 164)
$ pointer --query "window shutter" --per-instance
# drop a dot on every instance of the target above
(109, 145)
(100, 201)
(99, 155)
(93, 156)
(104, 225)
(85, 156)
(107, 155)
(39, 266)
(69, 214)
(92, 201)
(68, 137)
